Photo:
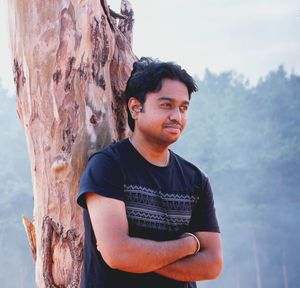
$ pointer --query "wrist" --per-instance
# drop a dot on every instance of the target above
(194, 241)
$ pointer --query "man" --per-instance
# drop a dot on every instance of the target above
(148, 211)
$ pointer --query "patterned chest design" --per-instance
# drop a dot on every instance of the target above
(158, 210)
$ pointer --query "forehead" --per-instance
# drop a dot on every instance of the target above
(173, 89)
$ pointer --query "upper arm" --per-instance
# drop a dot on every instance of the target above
(103, 176)
(110, 225)
(102, 193)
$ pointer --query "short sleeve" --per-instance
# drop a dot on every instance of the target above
(204, 215)
(103, 176)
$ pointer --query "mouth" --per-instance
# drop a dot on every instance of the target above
(173, 128)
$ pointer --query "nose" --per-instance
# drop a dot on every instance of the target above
(176, 115)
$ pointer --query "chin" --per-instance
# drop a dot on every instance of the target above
(172, 139)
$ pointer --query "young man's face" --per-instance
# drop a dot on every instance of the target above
(163, 116)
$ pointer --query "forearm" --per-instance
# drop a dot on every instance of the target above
(122, 252)
(138, 255)
(202, 266)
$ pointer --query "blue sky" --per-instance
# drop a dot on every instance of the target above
(251, 37)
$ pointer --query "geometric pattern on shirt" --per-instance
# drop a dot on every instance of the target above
(158, 210)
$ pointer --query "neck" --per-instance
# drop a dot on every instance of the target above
(153, 152)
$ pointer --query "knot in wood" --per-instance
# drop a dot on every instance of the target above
(59, 164)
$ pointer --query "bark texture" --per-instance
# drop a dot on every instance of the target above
(71, 61)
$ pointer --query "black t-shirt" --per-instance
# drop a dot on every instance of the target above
(161, 204)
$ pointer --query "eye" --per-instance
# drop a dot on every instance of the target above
(166, 105)
(183, 108)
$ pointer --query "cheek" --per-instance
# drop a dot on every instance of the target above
(155, 117)
(184, 123)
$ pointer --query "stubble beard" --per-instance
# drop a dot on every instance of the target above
(162, 140)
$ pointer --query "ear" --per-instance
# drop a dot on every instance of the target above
(135, 107)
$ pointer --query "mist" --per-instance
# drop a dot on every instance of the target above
(245, 138)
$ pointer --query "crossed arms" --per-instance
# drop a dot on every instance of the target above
(173, 259)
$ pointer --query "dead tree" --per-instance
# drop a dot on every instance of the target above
(71, 61)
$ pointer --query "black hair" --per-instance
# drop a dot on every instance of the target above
(147, 75)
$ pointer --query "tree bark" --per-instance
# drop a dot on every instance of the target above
(71, 62)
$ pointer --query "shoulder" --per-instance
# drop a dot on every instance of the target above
(110, 152)
(102, 175)
(106, 160)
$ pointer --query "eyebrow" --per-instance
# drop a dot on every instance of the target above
(164, 98)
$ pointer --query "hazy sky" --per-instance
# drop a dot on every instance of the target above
(249, 36)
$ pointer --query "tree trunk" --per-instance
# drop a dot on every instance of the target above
(71, 61)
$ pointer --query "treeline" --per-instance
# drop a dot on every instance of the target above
(247, 139)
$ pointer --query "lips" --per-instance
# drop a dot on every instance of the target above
(173, 128)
